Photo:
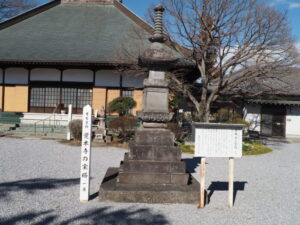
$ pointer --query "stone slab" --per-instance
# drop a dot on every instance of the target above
(163, 194)
(152, 178)
(154, 152)
(154, 167)
(157, 136)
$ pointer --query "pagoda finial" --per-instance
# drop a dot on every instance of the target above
(158, 33)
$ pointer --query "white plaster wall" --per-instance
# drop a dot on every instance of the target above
(107, 78)
(252, 114)
(293, 121)
(77, 75)
(41, 74)
(16, 76)
(1, 76)
(134, 81)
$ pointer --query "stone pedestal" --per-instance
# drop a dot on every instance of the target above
(152, 172)
(153, 159)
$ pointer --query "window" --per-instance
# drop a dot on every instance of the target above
(46, 99)
(127, 93)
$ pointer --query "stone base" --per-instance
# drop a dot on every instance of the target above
(163, 194)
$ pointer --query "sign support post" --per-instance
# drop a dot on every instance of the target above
(202, 182)
(230, 182)
(85, 154)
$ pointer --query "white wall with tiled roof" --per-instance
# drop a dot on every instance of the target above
(252, 114)
(293, 121)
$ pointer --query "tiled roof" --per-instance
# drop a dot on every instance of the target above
(96, 33)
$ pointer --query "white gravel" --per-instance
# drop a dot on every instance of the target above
(39, 184)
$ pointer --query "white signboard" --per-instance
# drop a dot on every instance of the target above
(85, 153)
(218, 140)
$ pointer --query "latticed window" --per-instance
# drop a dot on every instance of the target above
(46, 99)
(127, 93)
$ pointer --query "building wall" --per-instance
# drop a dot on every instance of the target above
(1, 90)
(77, 75)
(108, 85)
(252, 114)
(16, 99)
(138, 97)
(293, 121)
(99, 97)
(135, 81)
(107, 78)
(16, 76)
(1, 76)
(44, 74)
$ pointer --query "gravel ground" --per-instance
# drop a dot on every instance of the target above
(39, 184)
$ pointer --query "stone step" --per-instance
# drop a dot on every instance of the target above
(154, 153)
(152, 178)
(7, 127)
(154, 167)
(38, 135)
(111, 191)
(41, 127)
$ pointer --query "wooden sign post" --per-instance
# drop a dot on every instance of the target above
(69, 120)
(85, 154)
(218, 140)
(230, 182)
(202, 183)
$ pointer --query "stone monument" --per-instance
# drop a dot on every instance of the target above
(100, 132)
(152, 171)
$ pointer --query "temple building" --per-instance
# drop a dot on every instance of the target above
(75, 52)
(277, 112)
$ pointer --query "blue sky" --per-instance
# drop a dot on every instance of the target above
(293, 6)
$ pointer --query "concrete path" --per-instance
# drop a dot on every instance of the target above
(39, 184)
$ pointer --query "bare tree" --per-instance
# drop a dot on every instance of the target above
(231, 42)
(10, 8)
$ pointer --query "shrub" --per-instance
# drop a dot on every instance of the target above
(222, 115)
(225, 116)
(123, 125)
(76, 129)
(121, 105)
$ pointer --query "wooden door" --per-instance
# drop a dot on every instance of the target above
(278, 122)
(273, 120)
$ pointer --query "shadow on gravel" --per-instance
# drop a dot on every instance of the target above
(223, 186)
(26, 218)
(192, 164)
(33, 185)
(101, 216)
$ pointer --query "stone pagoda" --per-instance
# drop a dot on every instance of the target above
(152, 171)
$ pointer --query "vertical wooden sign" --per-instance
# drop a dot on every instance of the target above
(85, 154)
(69, 120)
